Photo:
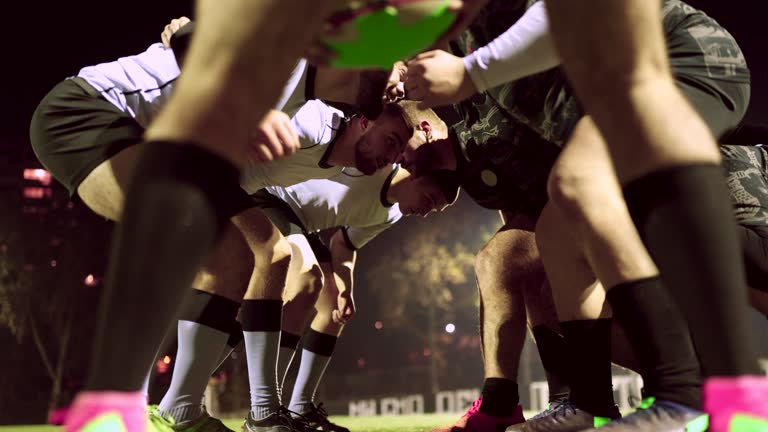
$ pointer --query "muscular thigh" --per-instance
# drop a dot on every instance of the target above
(103, 189)
(86, 143)
(515, 241)
(302, 268)
(585, 161)
(258, 230)
(302, 256)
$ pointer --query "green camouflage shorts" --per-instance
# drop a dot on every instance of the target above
(746, 169)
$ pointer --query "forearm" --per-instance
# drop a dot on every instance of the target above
(343, 279)
(343, 269)
(343, 259)
(524, 49)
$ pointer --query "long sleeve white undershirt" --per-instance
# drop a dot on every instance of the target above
(524, 49)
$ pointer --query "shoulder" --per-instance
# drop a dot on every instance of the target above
(315, 122)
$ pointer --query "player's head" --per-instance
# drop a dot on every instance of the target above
(424, 148)
(421, 196)
(383, 140)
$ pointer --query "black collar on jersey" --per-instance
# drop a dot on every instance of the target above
(323, 163)
(385, 187)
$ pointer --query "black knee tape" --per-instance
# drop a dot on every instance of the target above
(319, 343)
(235, 335)
(210, 310)
(215, 177)
(289, 340)
(261, 315)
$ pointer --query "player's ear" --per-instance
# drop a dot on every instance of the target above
(426, 127)
(364, 122)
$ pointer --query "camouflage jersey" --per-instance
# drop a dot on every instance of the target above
(511, 134)
(746, 170)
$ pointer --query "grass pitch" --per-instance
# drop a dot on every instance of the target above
(416, 423)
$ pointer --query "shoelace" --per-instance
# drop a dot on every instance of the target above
(562, 410)
(550, 409)
(292, 418)
(475, 407)
(645, 415)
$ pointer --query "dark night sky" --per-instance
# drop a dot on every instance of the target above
(45, 42)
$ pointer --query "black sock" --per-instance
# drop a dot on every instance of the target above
(500, 397)
(173, 214)
(588, 343)
(211, 310)
(553, 356)
(685, 218)
(660, 339)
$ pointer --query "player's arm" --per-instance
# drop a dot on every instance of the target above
(343, 257)
(526, 48)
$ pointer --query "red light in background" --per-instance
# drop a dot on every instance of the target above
(167, 360)
(90, 280)
(39, 175)
(37, 192)
(161, 367)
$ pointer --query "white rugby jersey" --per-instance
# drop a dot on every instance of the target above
(349, 199)
(318, 126)
(138, 85)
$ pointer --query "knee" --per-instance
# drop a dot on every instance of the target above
(309, 284)
(272, 251)
(312, 283)
(567, 189)
(503, 271)
(281, 251)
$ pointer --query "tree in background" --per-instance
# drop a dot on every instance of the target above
(426, 277)
(51, 255)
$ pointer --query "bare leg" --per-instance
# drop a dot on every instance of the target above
(586, 200)
(619, 68)
(326, 304)
(305, 283)
(504, 267)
